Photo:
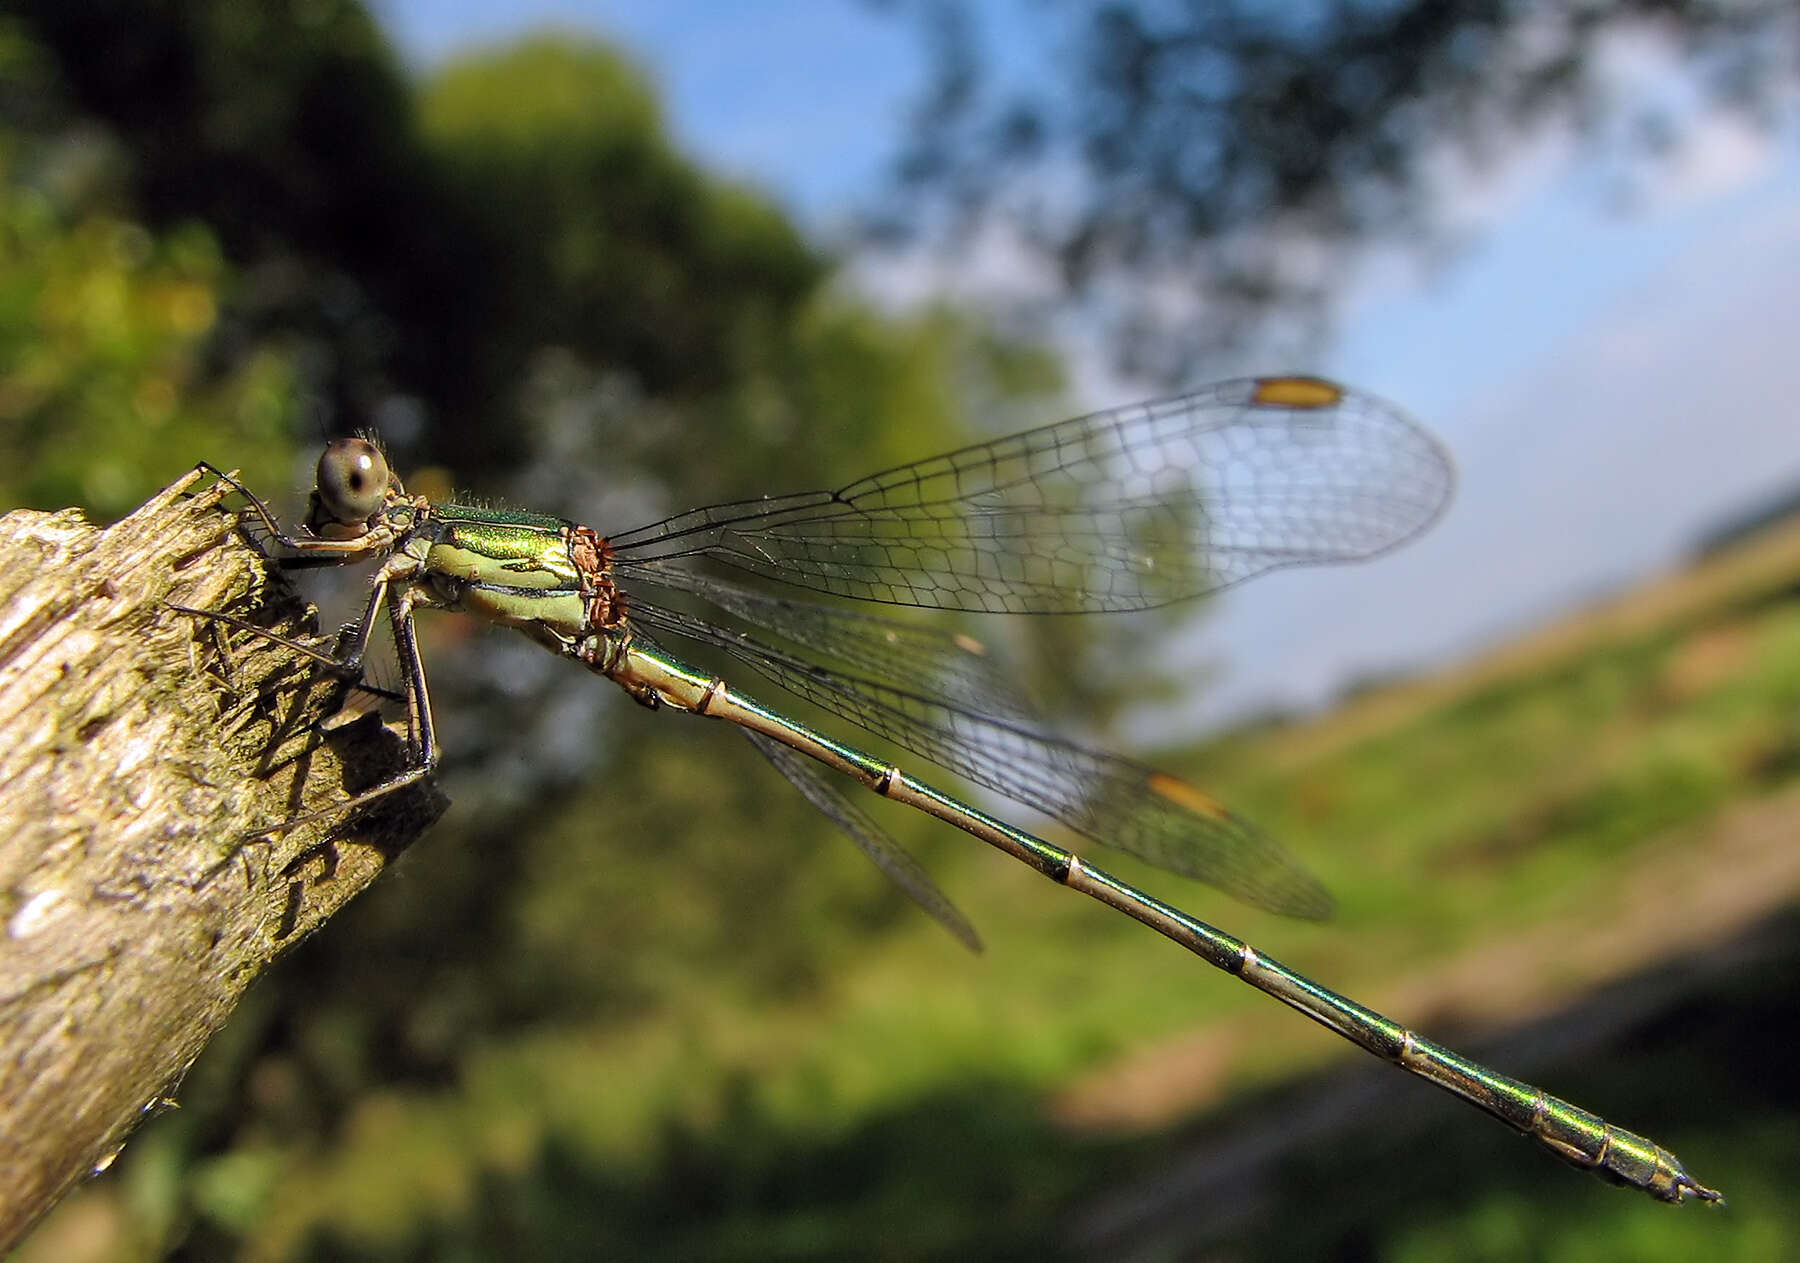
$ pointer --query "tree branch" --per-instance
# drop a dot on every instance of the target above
(138, 747)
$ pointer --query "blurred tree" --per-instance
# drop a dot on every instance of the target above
(427, 250)
(606, 242)
(287, 129)
(106, 389)
(1201, 174)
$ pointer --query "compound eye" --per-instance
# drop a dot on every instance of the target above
(353, 480)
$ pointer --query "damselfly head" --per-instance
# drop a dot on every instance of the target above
(352, 486)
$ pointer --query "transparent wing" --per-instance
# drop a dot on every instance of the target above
(1120, 510)
(1116, 802)
(928, 659)
(815, 784)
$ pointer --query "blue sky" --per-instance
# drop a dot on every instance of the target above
(1610, 384)
(803, 98)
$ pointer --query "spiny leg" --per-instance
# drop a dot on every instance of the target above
(421, 743)
(421, 727)
(348, 665)
(346, 662)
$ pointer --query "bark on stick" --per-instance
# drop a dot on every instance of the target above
(138, 747)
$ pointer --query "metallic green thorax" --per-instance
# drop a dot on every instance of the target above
(545, 576)
(524, 550)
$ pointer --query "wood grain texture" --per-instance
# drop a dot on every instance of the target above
(138, 746)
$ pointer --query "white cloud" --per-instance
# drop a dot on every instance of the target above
(1717, 155)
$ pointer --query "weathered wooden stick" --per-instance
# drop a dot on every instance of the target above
(138, 747)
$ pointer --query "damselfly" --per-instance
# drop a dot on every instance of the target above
(1120, 510)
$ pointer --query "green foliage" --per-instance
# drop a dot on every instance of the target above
(286, 130)
(106, 390)
(103, 390)
(425, 245)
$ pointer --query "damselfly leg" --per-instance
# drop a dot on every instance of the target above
(347, 660)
